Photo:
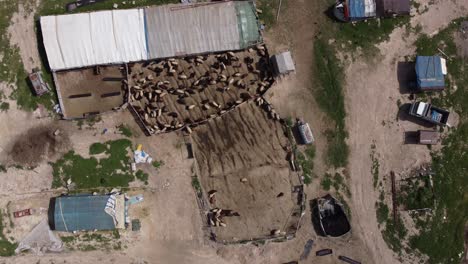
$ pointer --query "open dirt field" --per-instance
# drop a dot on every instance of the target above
(84, 92)
(168, 95)
(246, 144)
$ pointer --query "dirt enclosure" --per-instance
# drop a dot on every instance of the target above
(88, 91)
(243, 156)
(174, 93)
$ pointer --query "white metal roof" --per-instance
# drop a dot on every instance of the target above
(79, 40)
(284, 62)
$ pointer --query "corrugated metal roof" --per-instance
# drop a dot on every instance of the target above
(79, 40)
(117, 36)
(174, 30)
(361, 8)
(74, 213)
(429, 72)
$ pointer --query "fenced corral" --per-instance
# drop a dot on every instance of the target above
(248, 191)
(182, 93)
(88, 91)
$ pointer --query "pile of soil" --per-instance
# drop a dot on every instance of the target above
(37, 144)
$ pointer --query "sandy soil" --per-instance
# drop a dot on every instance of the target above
(374, 122)
(22, 34)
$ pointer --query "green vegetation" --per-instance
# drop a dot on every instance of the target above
(67, 239)
(90, 241)
(125, 130)
(157, 163)
(12, 70)
(306, 162)
(416, 193)
(142, 176)
(4, 106)
(375, 165)
(112, 171)
(97, 148)
(329, 96)
(441, 234)
(366, 34)
(326, 182)
(6, 247)
(58, 6)
(196, 184)
(382, 212)
(269, 9)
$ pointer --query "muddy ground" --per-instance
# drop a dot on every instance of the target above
(38, 144)
(246, 145)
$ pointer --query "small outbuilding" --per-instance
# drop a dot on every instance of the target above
(283, 63)
(87, 212)
(428, 137)
(306, 134)
(430, 73)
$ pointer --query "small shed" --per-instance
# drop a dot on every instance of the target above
(428, 137)
(40, 87)
(283, 63)
(87, 212)
(388, 8)
(430, 73)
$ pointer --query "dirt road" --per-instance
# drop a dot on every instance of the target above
(372, 96)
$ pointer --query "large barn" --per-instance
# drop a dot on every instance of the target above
(77, 44)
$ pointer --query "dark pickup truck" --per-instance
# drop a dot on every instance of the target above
(430, 113)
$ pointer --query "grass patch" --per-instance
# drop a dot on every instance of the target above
(441, 234)
(306, 162)
(4, 106)
(142, 176)
(375, 166)
(326, 182)
(269, 9)
(416, 193)
(113, 171)
(330, 98)
(97, 148)
(196, 184)
(157, 163)
(125, 130)
(6, 247)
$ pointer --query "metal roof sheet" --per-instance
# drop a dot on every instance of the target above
(74, 213)
(429, 72)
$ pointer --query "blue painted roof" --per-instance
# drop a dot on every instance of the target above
(429, 72)
(356, 8)
(74, 213)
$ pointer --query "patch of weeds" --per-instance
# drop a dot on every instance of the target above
(4, 106)
(326, 182)
(382, 212)
(87, 247)
(330, 98)
(268, 12)
(394, 234)
(3, 168)
(142, 176)
(416, 193)
(6, 247)
(91, 120)
(125, 130)
(112, 171)
(80, 124)
(196, 184)
(116, 234)
(306, 165)
(375, 166)
(97, 148)
(67, 239)
(441, 236)
(157, 163)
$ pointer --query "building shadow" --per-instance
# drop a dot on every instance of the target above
(315, 218)
(411, 137)
(406, 75)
